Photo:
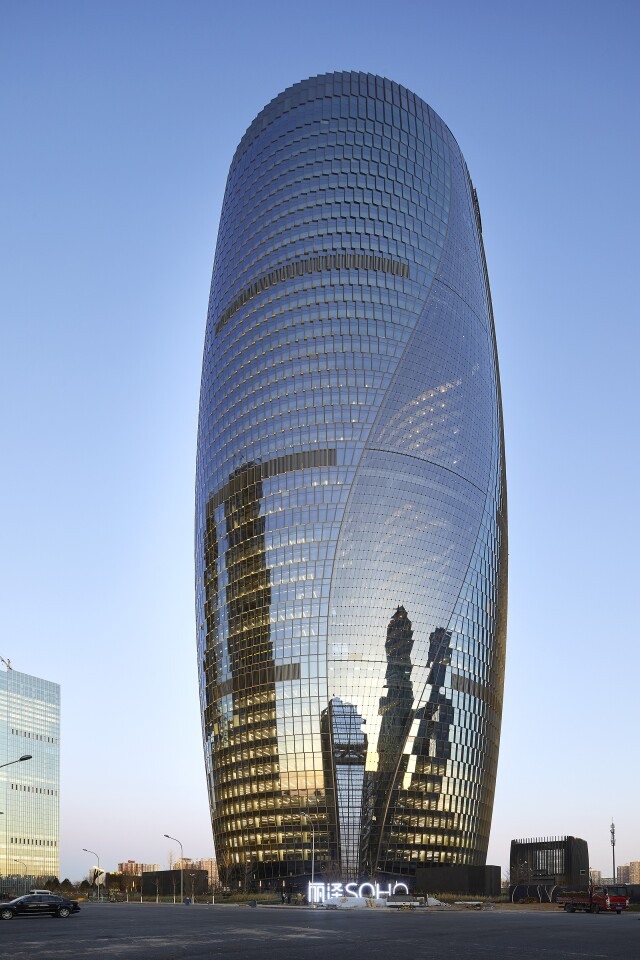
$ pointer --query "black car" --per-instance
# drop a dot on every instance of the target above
(37, 905)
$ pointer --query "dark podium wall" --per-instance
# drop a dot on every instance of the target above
(479, 881)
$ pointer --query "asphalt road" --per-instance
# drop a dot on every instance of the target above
(198, 932)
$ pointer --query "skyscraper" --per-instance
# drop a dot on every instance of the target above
(351, 551)
(29, 791)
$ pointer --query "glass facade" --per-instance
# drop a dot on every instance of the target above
(29, 791)
(351, 551)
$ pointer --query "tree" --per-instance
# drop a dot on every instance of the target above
(225, 868)
(128, 882)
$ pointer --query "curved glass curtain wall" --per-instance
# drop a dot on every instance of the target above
(351, 546)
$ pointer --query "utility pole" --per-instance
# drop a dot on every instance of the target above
(613, 847)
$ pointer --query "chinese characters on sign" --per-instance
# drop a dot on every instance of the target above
(320, 892)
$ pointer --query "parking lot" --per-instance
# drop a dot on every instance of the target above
(164, 931)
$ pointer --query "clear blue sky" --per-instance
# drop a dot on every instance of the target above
(119, 121)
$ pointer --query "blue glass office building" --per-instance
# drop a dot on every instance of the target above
(351, 539)
(29, 791)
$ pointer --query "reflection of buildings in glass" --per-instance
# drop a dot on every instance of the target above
(29, 791)
(350, 362)
(413, 794)
(345, 752)
(248, 590)
(395, 708)
(436, 717)
(240, 712)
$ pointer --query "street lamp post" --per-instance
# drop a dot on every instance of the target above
(304, 814)
(25, 872)
(25, 756)
(181, 866)
(98, 859)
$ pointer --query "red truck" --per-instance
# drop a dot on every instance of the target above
(598, 899)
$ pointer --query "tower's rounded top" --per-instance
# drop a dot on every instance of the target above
(340, 83)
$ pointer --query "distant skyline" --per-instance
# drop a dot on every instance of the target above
(120, 123)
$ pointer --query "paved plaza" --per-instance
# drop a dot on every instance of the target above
(200, 932)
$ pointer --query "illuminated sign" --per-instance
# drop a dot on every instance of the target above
(320, 892)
